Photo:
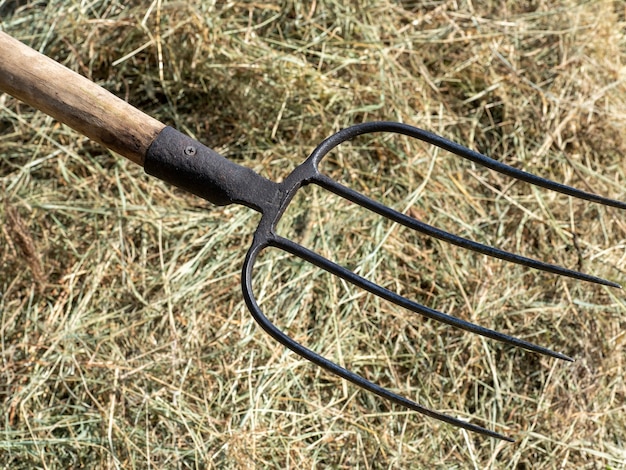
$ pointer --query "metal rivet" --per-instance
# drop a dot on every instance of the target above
(190, 151)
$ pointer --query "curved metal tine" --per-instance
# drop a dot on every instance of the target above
(359, 281)
(332, 367)
(441, 142)
(363, 201)
(420, 134)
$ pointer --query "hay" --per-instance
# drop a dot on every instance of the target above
(125, 341)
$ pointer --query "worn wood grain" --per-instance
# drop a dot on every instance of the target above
(74, 100)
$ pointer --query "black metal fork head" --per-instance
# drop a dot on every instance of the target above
(182, 161)
(309, 173)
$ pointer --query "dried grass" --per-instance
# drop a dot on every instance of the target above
(124, 339)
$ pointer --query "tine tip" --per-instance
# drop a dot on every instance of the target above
(493, 434)
(596, 280)
(613, 284)
(556, 355)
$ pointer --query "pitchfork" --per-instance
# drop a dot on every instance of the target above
(173, 157)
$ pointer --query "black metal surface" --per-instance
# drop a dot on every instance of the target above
(187, 164)
(184, 162)
(434, 232)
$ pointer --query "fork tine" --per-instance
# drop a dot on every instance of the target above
(441, 142)
(334, 368)
(335, 269)
(358, 198)
(511, 171)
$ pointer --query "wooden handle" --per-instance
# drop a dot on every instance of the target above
(74, 100)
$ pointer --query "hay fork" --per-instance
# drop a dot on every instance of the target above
(177, 159)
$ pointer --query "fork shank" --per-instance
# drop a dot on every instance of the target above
(186, 163)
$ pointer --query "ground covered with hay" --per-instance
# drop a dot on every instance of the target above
(125, 342)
